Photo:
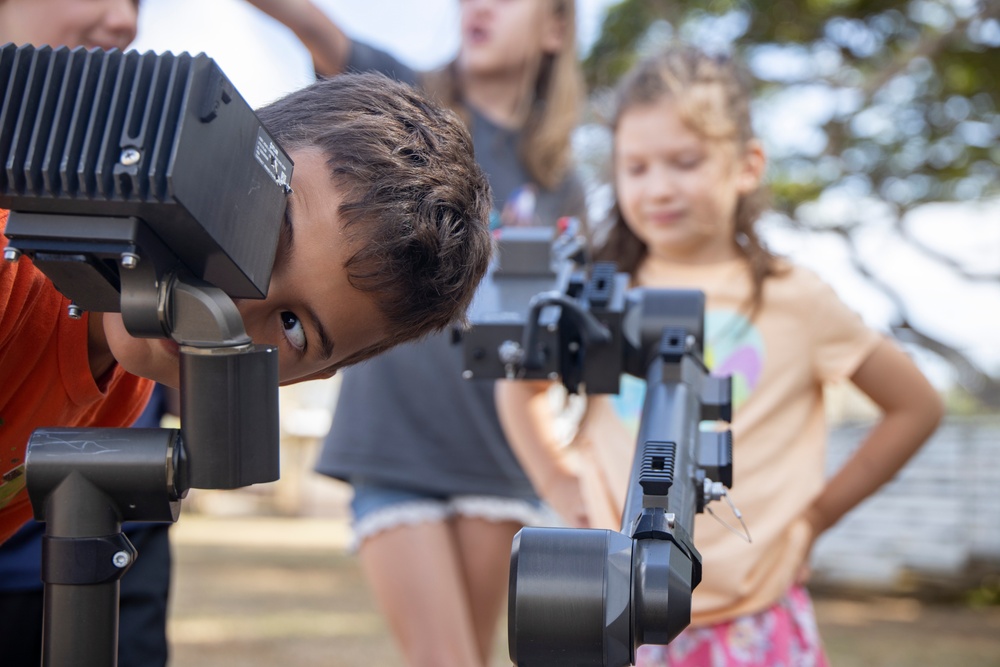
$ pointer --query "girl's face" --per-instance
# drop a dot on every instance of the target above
(506, 36)
(105, 24)
(677, 190)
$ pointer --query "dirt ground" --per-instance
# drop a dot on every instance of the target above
(251, 592)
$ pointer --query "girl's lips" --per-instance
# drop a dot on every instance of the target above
(664, 217)
(476, 35)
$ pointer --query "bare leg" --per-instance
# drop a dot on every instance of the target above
(416, 577)
(484, 551)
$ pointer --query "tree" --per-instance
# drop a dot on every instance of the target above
(908, 114)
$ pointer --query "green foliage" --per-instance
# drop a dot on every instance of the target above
(614, 51)
(985, 595)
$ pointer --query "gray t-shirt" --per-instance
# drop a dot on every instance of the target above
(407, 418)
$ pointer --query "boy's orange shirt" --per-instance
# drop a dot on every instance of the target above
(45, 378)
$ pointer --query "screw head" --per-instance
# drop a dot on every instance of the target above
(467, 374)
(11, 254)
(130, 156)
(510, 352)
(74, 311)
(129, 260)
(121, 559)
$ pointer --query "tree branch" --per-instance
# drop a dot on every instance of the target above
(969, 375)
(942, 258)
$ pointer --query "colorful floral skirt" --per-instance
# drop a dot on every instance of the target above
(784, 635)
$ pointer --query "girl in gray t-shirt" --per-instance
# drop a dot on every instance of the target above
(438, 493)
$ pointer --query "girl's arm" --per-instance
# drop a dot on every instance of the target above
(523, 408)
(327, 43)
(911, 410)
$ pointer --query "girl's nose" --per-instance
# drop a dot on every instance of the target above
(661, 184)
(121, 19)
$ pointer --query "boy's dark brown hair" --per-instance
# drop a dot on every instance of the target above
(415, 203)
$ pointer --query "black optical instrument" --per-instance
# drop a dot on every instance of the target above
(588, 596)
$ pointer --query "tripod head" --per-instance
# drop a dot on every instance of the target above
(588, 596)
(144, 184)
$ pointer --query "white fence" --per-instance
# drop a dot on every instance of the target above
(937, 519)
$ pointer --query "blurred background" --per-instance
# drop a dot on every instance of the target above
(881, 120)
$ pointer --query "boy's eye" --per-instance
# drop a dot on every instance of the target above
(294, 332)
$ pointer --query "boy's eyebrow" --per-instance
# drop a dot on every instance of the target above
(288, 237)
(326, 344)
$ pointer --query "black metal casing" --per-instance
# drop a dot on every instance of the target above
(146, 136)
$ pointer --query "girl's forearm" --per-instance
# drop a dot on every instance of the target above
(912, 410)
(328, 45)
(529, 426)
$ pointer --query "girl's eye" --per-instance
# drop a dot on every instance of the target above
(294, 332)
(689, 162)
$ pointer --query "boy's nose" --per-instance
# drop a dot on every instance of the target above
(253, 313)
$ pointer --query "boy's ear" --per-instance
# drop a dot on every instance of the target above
(752, 167)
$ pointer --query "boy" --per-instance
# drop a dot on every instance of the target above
(385, 238)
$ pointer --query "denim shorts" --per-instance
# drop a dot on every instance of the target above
(378, 507)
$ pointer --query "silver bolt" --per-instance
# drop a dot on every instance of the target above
(467, 374)
(510, 352)
(553, 376)
(121, 559)
(129, 260)
(130, 156)
(11, 254)
(713, 490)
(74, 311)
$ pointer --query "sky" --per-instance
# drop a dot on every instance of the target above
(264, 60)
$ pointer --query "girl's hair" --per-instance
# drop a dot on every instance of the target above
(553, 90)
(712, 94)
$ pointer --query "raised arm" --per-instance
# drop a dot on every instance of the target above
(911, 410)
(523, 407)
(327, 43)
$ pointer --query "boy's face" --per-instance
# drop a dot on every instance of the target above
(312, 313)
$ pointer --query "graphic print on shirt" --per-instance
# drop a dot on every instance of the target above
(733, 346)
(518, 210)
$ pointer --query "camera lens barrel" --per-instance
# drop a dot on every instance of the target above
(570, 594)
